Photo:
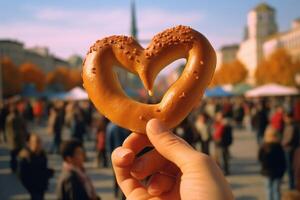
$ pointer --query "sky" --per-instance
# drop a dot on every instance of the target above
(70, 27)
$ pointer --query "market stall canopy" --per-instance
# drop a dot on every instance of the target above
(241, 89)
(217, 92)
(29, 90)
(77, 94)
(272, 90)
(55, 95)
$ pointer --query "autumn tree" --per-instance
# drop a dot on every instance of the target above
(75, 78)
(277, 68)
(230, 73)
(11, 77)
(64, 78)
(31, 73)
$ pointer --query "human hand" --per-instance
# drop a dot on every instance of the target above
(177, 170)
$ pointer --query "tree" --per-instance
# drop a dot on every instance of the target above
(75, 78)
(12, 81)
(63, 78)
(230, 73)
(31, 73)
(278, 68)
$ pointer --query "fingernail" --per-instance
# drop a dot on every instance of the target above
(154, 191)
(138, 166)
(122, 153)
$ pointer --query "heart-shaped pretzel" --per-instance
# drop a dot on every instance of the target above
(105, 91)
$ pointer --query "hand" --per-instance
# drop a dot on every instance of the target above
(177, 171)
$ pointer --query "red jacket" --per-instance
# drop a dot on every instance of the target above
(277, 121)
(100, 141)
(218, 131)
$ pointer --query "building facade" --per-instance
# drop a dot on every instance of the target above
(38, 55)
(289, 40)
(261, 23)
(227, 54)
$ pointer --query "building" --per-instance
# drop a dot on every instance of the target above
(227, 54)
(38, 55)
(75, 61)
(261, 24)
(289, 40)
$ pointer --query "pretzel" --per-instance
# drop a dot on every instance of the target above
(106, 93)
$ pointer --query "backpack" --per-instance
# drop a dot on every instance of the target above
(227, 138)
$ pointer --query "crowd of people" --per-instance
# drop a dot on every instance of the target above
(209, 129)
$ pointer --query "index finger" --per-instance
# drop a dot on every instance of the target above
(122, 160)
(137, 142)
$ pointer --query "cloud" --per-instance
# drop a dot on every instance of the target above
(67, 31)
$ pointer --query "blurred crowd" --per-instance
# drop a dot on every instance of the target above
(209, 128)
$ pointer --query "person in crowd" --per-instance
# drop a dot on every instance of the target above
(71, 107)
(28, 111)
(203, 129)
(210, 108)
(296, 111)
(290, 142)
(261, 120)
(16, 131)
(238, 113)
(100, 146)
(115, 137)
(227, 108)
(276, 120)
(4, 111)
(38, 110)
(272, 159)
(186, 131)
(287, 104)
(20, 105)
(55, 125)
(33, 170)
(88, 113)
(78, 125)
(247, 120)
(222, 137)
(296, 168)
(171, 176)
(74, 183)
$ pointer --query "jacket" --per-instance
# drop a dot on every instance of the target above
(70, 187)
(272, 159)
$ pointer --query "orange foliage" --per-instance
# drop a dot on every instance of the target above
(31, 73)
(75, 78)
(278, 68)
(11, 77)
(229, 73)
(68, 78)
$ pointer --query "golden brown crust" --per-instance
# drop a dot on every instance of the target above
(179, 42)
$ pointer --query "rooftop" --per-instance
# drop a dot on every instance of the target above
(278, 35)
(11, 41)
(263, 7)
(232, 46)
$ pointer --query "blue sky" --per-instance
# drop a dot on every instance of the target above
(69, 27)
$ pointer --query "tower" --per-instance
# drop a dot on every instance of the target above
(133, 27)
(133, 81)
(261, 23)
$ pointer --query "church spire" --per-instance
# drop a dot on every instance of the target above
(133, 28)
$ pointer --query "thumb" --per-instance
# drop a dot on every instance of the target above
(169, 145)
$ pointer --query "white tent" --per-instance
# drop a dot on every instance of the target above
(77, 93)
(272, 90)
